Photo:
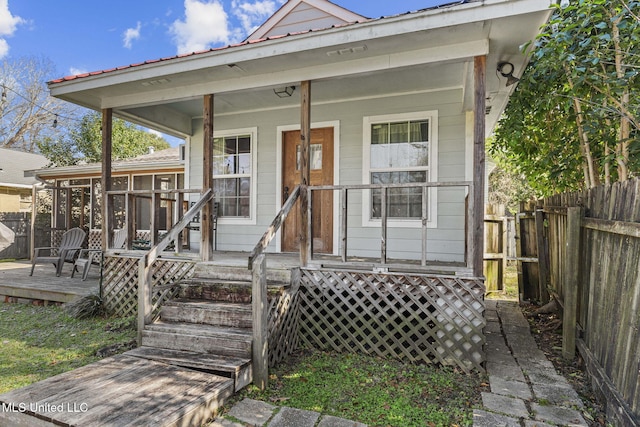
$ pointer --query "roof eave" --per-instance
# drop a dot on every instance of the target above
(96, 168)
(249, 51)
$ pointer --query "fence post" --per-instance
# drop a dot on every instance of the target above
(543, 259)
(571, 277)
(260, 318)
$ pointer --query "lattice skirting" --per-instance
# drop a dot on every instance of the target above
(283, 321)
(416, 318)
(120, 283)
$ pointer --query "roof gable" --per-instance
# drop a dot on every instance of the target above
(303, 15)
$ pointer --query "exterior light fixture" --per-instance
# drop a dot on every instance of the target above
(284, 92)
(55, 122)
(506, 70)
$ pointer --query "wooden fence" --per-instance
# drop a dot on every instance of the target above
(509, 239)
(20, 224)
(593, 269)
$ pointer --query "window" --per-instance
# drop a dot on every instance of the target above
(400, 149)
(232, 175)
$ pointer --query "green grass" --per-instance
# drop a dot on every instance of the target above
(40, 342)
(374, 391)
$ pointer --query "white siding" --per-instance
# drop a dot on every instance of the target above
(303, 18)
(445, 243)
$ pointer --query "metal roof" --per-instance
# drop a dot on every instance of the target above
(245, 43)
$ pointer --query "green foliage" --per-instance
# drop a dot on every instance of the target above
(564, 126)
(509, 189)
(84, 143)
(378, 392)
(86, 307)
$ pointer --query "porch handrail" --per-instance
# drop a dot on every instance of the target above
(259, 303)
(179, 226)
(275, 225)
(145, 304)
(130, 196)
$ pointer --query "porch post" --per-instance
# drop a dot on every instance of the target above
(477, 214)
(206, 219)
(107, 144)
(305, 172)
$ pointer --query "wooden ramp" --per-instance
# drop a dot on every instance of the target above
(123, 390)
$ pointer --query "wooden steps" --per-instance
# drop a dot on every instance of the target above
(233, 315)
(198, 338)
(237, 369)
(209, 333)
(279, 275)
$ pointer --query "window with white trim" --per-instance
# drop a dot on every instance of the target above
(232, 175)
(400, 149)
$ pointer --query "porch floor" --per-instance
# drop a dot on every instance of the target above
(15, 282)
(287, 261)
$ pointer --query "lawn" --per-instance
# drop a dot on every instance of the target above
(40, 342)
(374, 391)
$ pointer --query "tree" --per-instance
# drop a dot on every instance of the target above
(27, 112)
(572, 122)
(84, 142)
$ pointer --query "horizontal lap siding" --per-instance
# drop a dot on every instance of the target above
(446, 243)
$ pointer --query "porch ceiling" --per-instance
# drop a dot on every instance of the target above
(414, 53)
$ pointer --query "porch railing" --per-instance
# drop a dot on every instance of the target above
(384, 215)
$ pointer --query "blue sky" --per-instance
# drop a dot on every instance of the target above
(81, 36)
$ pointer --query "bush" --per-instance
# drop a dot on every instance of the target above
(86, 307)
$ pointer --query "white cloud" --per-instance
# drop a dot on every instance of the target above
(205, 25)
(154, 132)
(8, 26)
(253, 14)
(75, 71)
(4, 48)
(131, 34)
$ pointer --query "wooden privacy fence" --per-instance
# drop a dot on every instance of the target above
(513, 239)
(411, 317)
(20, 224)
(593, 242)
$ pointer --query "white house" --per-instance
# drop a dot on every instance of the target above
(392, 100)
(357, 142)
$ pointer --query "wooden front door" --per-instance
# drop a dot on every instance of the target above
(321, 166)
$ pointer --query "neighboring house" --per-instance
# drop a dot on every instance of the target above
(77, 195)
(15, 187)
(391, 102)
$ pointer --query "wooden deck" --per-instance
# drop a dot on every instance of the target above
(118, 391)
(15, 282)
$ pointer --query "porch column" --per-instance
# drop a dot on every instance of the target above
(305, 172)
(477, 209)
(206, 218)
(107, 144)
